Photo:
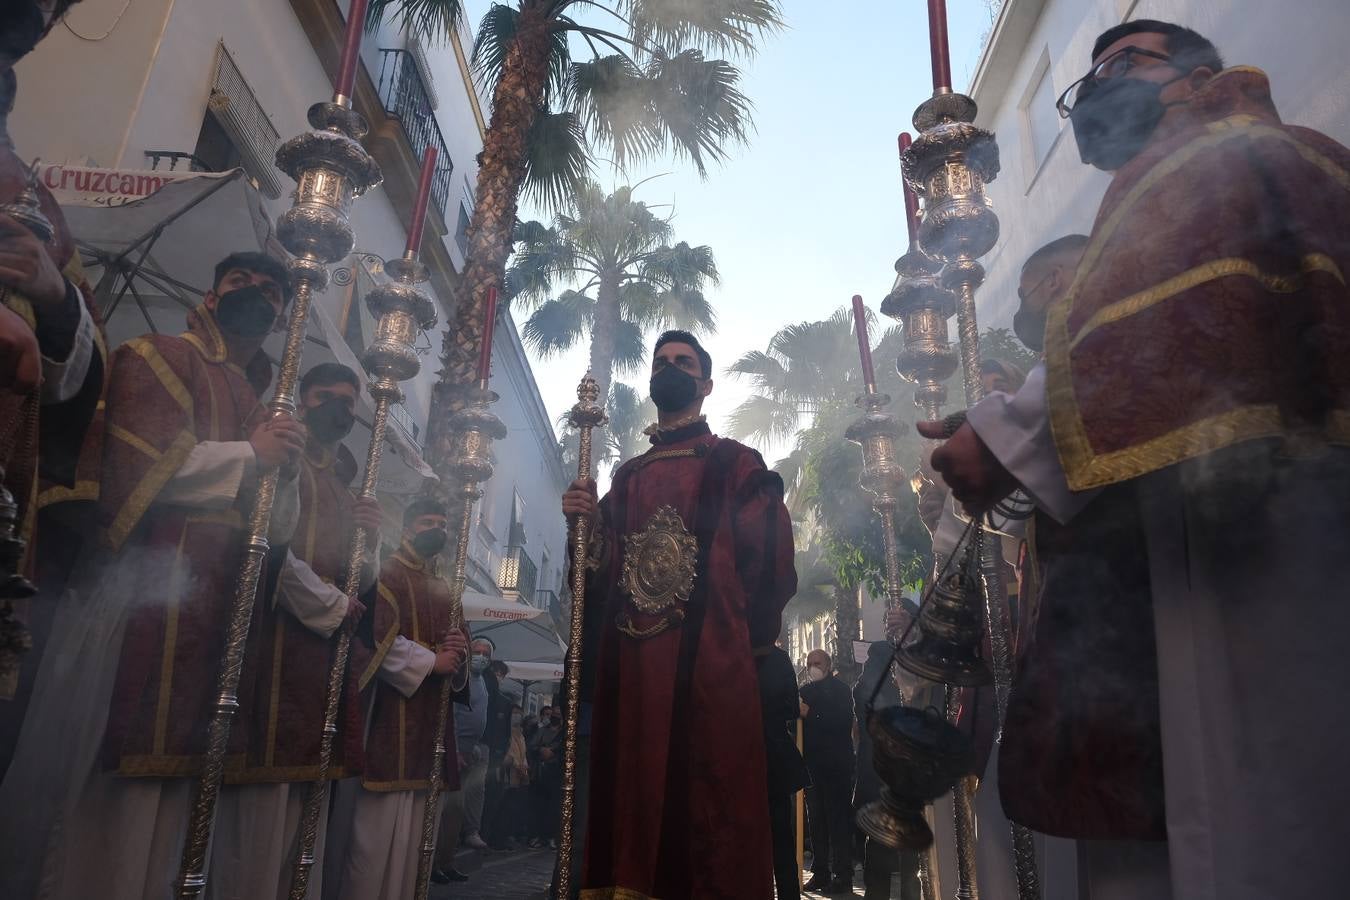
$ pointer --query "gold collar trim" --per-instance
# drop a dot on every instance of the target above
(656, 428)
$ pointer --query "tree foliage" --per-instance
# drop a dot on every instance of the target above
(607, 269)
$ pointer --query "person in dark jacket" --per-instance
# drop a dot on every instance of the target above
(879, 861)
(827, 708)
(787, 770)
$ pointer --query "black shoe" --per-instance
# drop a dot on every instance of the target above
(818, 883)
(446, 876)
(843, 886)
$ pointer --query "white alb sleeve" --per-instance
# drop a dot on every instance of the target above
(1016, 429)
(318, 605)
(212, 475)
(406, 666)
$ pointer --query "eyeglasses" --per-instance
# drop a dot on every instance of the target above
(1114, 66)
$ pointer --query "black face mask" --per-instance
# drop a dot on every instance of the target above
(330, 421)
(430, 542)
(1030, 328)
(245, 312)
(672, 389)
(1114, 122)
(22, 25)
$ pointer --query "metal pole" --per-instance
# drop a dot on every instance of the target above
(330, 168)
(950, 162)
(585, 416)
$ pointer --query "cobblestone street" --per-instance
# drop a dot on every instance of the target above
(502, 876)
(524, 876)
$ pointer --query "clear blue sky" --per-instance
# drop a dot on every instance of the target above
(810, 212)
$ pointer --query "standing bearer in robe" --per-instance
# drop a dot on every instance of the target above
(52, 363)
(415, 650)
(121, 705)
(1191, 419)
(286, 671)
(692, 565)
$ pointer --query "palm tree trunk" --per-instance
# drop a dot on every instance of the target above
(501, 172)
(604, 333)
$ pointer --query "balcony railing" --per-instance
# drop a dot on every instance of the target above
(405, 97)
(518, 573)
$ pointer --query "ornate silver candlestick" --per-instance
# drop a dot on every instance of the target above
(474, 428)
(331, 169)
(949, 164)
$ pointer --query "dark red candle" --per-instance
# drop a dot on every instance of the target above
(419, 218)
(489, 323)
(911, 198)
(351, 48)
(864, 348)
(937, 40)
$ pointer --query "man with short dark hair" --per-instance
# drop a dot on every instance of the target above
(1192, 425)
(416, 648)
(827, 745)
(689, 567)
(186, 443)
(283, 703)
(1045, 277)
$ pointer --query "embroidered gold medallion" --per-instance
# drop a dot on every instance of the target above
(658, 570)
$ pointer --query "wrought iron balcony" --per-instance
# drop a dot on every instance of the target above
(406, 98)
(518, 574)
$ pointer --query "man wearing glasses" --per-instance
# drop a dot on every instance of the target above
(1195, 415)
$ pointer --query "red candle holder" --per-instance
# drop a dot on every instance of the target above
(419, 218)
(351, 51)
(864, 346)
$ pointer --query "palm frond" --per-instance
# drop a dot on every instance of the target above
(432, 20)
(559, 324)
(696, 106)
(763, 418)
(496, 34)
(630, 348)
(767, 372)
(716, 25)
(541, 255)
(682, 265)
(611, 96)
(558, 161)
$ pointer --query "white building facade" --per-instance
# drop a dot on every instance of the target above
(176, 86)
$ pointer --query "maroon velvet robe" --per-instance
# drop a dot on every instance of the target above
(678, 796)
(412, 602)
(165, 395)
(286, 670)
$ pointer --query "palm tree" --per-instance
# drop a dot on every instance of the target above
(645, 89)
(628, 279)
(805, 384)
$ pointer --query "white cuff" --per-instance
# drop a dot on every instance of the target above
(318, 605)
(211, 476)
(406, 666)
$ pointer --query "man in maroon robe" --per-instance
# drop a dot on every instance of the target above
(283, 695)
(691, 564)
(49, 333)
(1191, 427)
(417, 647)
(186, 442)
